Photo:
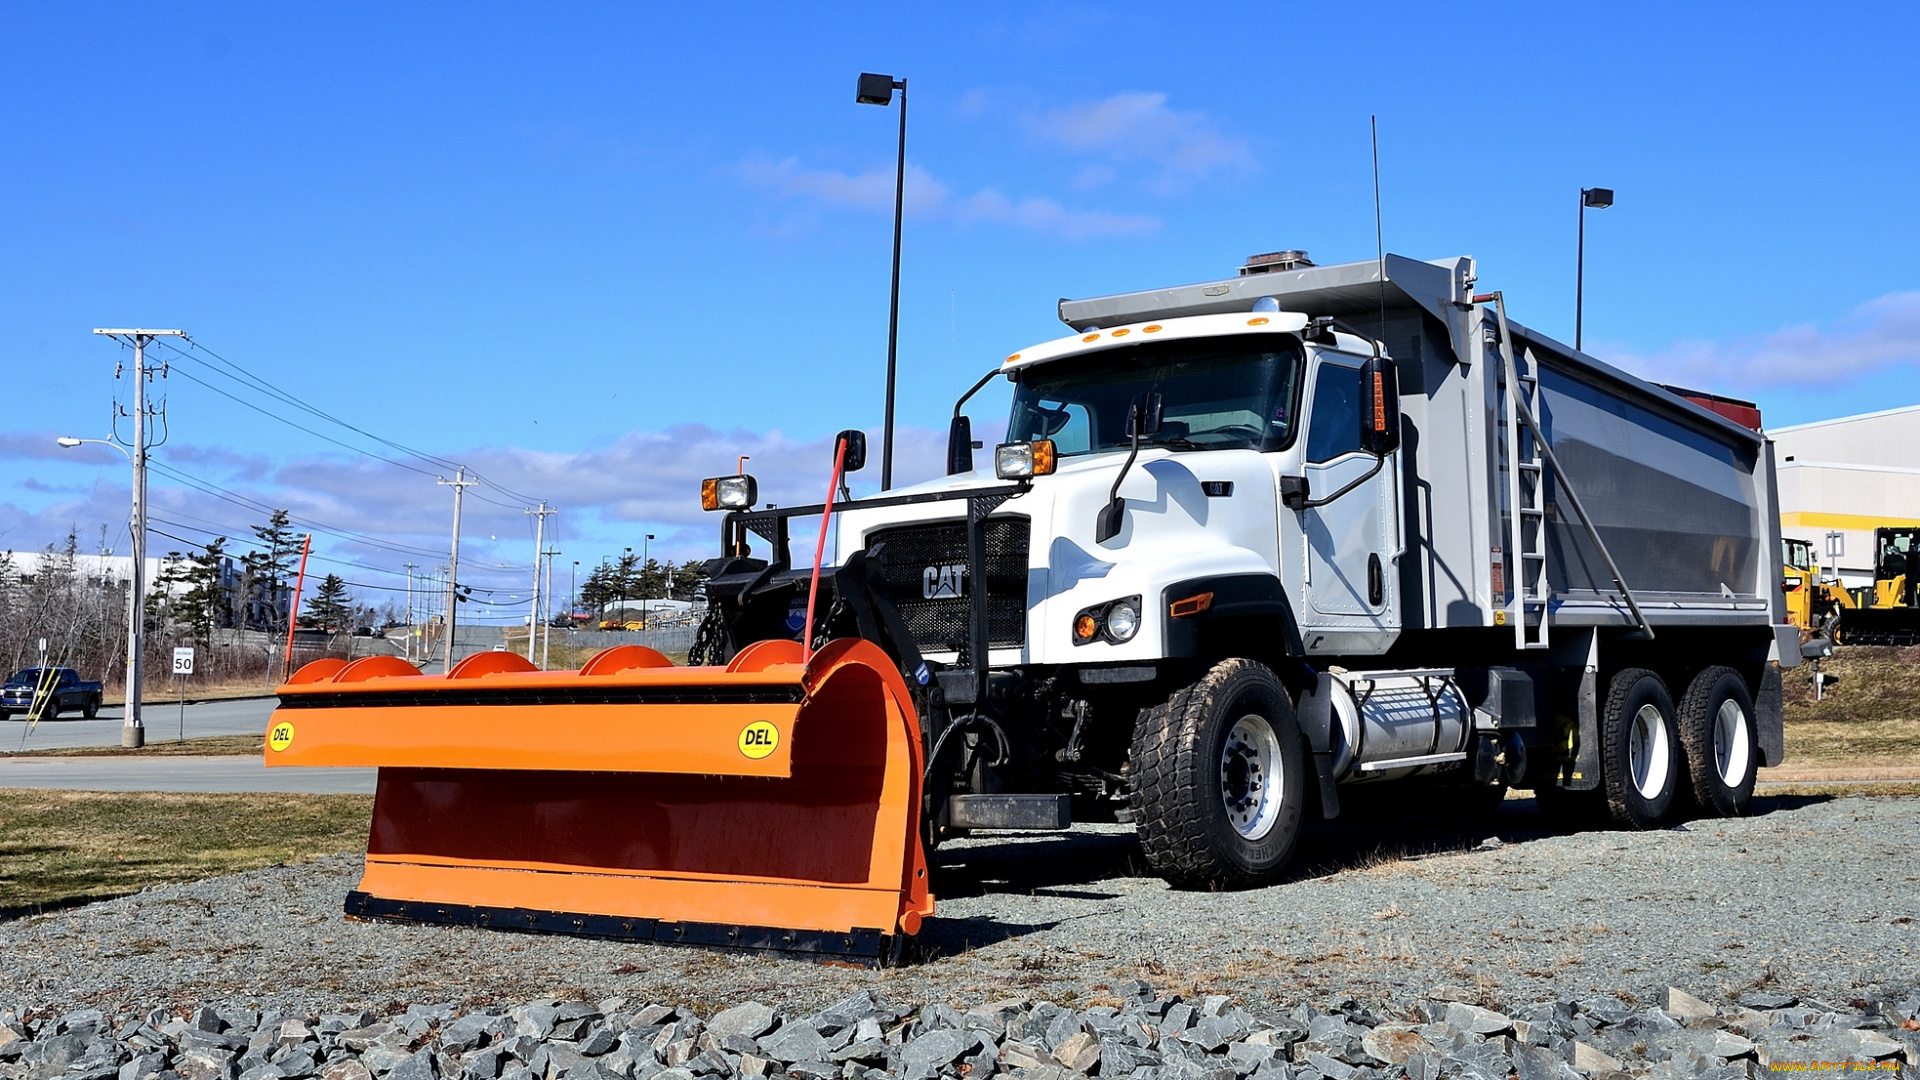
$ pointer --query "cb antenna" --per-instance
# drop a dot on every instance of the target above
(1379, 236)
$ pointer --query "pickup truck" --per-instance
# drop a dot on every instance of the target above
(61, 688)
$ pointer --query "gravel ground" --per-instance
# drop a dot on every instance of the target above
(1814, 897)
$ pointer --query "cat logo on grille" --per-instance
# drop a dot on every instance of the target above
(944, 582)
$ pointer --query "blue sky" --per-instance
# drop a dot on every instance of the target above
(597, 251)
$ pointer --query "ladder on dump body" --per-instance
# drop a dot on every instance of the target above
(1526, 498)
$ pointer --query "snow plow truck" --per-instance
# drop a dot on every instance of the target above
(1254, 548)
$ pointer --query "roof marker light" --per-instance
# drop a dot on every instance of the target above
(1091, 337)
(1121, 333)
(1256, 322)
(1154, 329)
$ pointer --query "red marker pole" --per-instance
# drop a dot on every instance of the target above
(293, 613)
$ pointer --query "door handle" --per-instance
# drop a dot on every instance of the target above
(1376, 581)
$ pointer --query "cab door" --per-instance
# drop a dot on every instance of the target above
(1351, 544)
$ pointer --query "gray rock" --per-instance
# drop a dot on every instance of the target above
(382, 1058)
(263, 1072)
(1481, 1061)
(751, 1019)
(1424, 1066)
(1476, 1019)
(850, 1010)
(297, 1064)
(1768, 999)
(520, 1047)
(813, 1070)
(465, 1034)
(358, 1039)
(1589, 1059)
(796, 1042)
(350, 1069)
(1080, 1052)
(1538, 1063)
(416, 1066)
(143, 1066)
(484, 1064)
(1247, 1056)
(534, 1020)
(598, 1039)
(1178, 1017)
(1393, 1044)
(673, 1074)
(1214, 1032)
(650, 1015)
(206, 1064)
(1684, 1006)
(1333, 1068)
(205, 1019)
(938, 1048)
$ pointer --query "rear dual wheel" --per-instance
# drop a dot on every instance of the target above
(1716, 730)
(1640, 750)
(1219, 776)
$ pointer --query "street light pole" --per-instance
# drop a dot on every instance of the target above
(1599, 198)
(133, 733)
(646, 547)
(878, 90)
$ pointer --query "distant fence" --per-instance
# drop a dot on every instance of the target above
(667, 639)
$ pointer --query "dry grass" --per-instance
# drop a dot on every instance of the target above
(161, 690)
(207, 746)
(1869, 717)
(63, 847)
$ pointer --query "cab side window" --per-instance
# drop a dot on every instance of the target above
(1333, 428)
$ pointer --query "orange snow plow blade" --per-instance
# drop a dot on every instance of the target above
(769, 804)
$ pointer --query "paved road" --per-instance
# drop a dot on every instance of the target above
(245, 716)
(246, 773)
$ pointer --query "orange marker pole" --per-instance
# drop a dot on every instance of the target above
(820, 548)
(293, 613)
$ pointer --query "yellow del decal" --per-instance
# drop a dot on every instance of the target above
(759, 739)
(281, 736)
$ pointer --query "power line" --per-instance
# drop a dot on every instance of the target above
(247, 378)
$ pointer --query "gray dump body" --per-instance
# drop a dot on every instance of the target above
(1682, 498)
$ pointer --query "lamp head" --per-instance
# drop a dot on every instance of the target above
(68, 441)
(874, 89)
(1598, 198)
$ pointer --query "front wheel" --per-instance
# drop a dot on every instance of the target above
(1640, 751)
(1716, 728)
(1220, 777)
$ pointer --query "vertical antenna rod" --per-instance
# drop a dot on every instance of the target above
(1379, 235)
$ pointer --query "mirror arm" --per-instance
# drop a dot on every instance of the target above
(984, 380)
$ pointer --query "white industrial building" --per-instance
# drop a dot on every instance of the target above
(1842, 478)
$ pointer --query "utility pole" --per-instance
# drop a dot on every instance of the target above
(409, 567)
(459, 485)
(546, 622)
(539, 546)
(133, 733)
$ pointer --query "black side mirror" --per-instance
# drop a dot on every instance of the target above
(960, 446)
(856, 441)
(1294, 492)
(1143, 415)
(1379, 407)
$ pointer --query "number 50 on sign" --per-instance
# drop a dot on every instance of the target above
(183, 661)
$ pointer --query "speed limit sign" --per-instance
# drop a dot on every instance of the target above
(183, 660)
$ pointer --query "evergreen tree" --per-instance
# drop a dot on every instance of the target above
(204, 603)
(265, 573)
(686, 580)
(329, 608)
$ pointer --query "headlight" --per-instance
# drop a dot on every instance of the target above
(1114, 622)
(1020, 460)
(729, 493)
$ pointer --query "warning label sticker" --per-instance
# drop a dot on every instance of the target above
(281, 736)
(759, 739)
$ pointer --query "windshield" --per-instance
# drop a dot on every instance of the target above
(30, 675)
(1217, 394)
(1799, 555)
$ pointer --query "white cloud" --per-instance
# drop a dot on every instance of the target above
(609, 497)
(1879, 334)
(1182, 147)
(928, 197)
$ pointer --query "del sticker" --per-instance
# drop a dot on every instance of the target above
(758, 739)
(281, 736)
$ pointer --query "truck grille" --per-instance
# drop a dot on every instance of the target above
(919, 560)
